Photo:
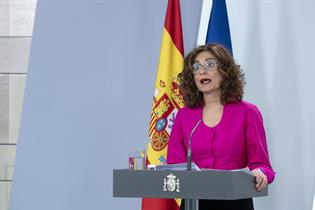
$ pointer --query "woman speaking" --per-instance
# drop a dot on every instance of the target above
(230, 134)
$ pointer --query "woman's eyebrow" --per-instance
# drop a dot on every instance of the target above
(205, 59)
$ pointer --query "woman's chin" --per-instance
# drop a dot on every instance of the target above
(208, 91)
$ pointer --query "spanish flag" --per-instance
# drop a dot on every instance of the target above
(167, 98)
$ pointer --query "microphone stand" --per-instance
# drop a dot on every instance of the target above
(191, 204)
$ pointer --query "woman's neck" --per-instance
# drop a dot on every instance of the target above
(212, 99)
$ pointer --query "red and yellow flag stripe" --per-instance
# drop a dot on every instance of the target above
(167, 99)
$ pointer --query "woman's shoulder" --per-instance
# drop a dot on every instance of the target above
(189, 110)
(244, 106)
(248, 105)
(188, 116)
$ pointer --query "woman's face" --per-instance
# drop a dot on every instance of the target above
(206, 74)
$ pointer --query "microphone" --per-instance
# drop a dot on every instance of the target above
(189, 147)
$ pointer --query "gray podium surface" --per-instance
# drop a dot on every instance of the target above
(208, 184)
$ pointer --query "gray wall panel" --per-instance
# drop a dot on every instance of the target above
(7, 158)
(5, 188)
(16, 26)
(16, 17)
(4, 108)
(14, 54)
(11, 100)
(16, 87)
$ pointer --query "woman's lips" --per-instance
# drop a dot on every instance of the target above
(205, 81)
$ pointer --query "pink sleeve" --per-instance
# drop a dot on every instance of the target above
(257, 151)
(176, 151)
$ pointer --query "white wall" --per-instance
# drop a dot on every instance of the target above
(274, 41)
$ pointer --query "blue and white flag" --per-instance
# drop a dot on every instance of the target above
(214, 25)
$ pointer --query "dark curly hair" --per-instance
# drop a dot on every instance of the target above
(233, 80)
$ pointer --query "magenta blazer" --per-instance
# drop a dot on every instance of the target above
(237, 141)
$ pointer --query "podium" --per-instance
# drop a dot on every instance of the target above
(207, 184)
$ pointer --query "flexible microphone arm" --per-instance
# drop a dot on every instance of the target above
(189, 147)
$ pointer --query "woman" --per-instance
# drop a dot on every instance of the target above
(231, 134)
